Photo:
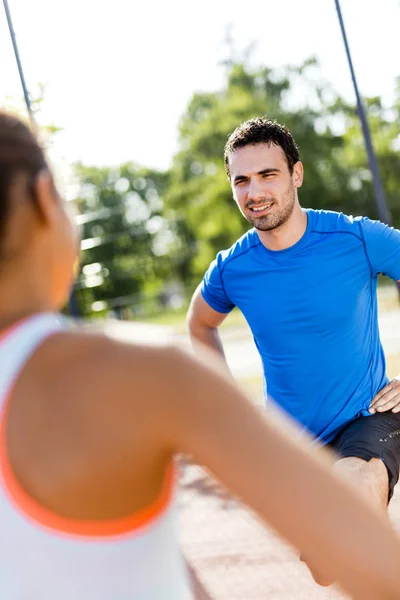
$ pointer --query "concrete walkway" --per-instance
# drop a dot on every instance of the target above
(234, 557)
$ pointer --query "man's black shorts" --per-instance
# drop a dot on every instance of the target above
(377, 436)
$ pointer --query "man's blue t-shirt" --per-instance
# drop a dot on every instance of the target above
(312, 309)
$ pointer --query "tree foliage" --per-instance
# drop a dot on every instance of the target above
(148, 228)
(129, 248)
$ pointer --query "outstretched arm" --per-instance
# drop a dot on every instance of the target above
(290, 486)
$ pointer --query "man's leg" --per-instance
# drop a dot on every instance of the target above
(371, 480)
(369, 451)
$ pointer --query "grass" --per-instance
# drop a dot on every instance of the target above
(176, 319)
(172, 318)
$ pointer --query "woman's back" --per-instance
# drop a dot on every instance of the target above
(49, 547)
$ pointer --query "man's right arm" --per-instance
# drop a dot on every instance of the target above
(203, 322)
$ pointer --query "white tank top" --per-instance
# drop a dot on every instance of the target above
(47, 557)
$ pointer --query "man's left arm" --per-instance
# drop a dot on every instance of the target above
(382, 246)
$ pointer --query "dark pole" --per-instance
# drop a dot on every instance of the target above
(383, 211)
(73, 304)
(19, 65)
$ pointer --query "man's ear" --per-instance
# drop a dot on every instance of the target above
(45, 196)
(298, 172)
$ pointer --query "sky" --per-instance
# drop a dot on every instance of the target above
(119, 74)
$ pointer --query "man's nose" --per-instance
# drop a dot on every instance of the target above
(256, 190)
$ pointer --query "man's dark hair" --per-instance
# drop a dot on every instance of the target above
(20, 154)
(262, 131)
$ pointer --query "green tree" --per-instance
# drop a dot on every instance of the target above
(143, 229)
(383, 123)
(129, 249)
(325, 128)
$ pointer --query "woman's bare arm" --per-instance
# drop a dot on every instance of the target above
(289, 485)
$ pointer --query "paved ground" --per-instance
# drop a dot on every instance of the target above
(234, 557)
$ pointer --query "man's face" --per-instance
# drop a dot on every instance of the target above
(262, 185)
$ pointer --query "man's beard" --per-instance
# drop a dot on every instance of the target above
(278, 217)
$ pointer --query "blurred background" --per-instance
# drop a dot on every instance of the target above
(135, 102)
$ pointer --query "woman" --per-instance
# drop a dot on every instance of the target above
(90, 426)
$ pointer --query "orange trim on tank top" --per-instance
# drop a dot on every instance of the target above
(36, 512)
(40, 515)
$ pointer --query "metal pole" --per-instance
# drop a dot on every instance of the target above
(19, 65)
(73, 304)
(383, 211)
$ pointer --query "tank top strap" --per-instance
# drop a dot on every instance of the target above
(20, 341)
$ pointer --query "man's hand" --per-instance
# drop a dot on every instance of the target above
(388, 398)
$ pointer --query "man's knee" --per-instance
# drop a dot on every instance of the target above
(370, 478)
(373, 470)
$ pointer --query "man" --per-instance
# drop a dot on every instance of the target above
(306, 282)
